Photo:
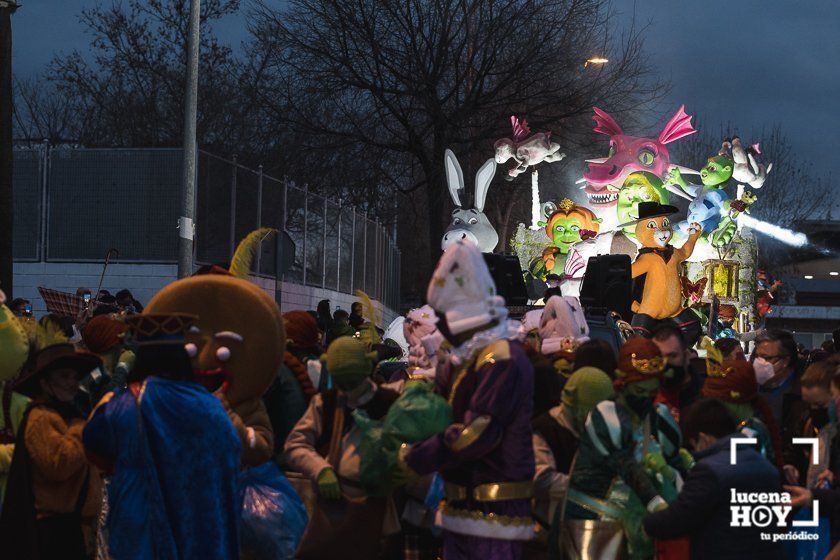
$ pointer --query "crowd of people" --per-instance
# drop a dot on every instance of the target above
(138, 433)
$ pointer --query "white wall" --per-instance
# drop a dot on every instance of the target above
(145, 279)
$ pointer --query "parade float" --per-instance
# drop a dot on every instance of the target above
(718, 280)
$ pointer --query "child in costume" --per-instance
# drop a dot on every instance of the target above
(53, 495)
(173, 452)
(485, 458)
(657, 290)
(628, 458)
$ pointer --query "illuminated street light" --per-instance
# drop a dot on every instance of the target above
(595, 60)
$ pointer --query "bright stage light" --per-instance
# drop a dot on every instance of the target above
(786, 236)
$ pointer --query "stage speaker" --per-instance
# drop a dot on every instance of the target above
(607, 286)
(507, 275)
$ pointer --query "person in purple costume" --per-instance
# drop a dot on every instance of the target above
(485, 458)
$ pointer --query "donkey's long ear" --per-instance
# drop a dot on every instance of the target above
(482, 182)
(454, 176)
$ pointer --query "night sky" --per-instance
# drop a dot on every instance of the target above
(752, 63)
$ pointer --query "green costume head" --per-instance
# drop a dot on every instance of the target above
(716, 172)
(349, 362)
(565, 224)
(640, 186)
(585, 388)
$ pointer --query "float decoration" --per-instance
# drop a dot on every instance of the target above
(657, 291)
(746, 169)
(470, 224)
(723, 280)
(627, 154)
(527, 150)
(567, 225)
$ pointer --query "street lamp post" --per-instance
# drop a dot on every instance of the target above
(186, 223)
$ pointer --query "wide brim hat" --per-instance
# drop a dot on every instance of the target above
(652, 209)
(55, 357)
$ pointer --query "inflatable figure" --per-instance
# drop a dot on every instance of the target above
(638, 187)
(526, 149)
(567, 225)
(657, 291)
(746, 169)
(706, 210)
(236, 344)
(713, 175)
(469, 224)
(605, 176)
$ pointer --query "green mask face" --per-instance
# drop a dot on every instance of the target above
(716, 172)
(566, 232)
(640, 396)
(638, 187)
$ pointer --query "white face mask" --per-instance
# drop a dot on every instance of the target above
(763, 370)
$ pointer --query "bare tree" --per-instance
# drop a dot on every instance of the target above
(405, 79)
(129, 90)
(42, 113)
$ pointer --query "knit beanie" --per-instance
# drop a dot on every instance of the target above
(103, 333)
(587, 387)
(639, 360)
(563, 325)
(348, 358)
(734, 382)
(301, 329)
(463, 290)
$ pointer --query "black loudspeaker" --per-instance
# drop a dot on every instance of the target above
(607, 286)
(507, 275)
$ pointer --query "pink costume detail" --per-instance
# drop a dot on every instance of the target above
(626, 152)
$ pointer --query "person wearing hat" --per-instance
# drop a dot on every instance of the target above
(172, 452)
(53, 495)
(301, 377)
(485, 457)
(556, 437)
(629, 454)
(328, 457)
(103, 336)
(657, 294)
(733, 382)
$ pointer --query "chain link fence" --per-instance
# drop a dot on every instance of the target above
(72, 205)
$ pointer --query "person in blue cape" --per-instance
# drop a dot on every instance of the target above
(173, 453)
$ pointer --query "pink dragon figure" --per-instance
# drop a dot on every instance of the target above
(628, 154)
(526, 149)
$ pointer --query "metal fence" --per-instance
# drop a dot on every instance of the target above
(72, 205)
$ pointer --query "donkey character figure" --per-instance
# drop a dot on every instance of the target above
(469, 223)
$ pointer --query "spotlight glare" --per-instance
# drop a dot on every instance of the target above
(786, 236)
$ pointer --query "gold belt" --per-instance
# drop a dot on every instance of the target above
(490, 492)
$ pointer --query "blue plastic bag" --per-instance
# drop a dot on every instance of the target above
(273, 515)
